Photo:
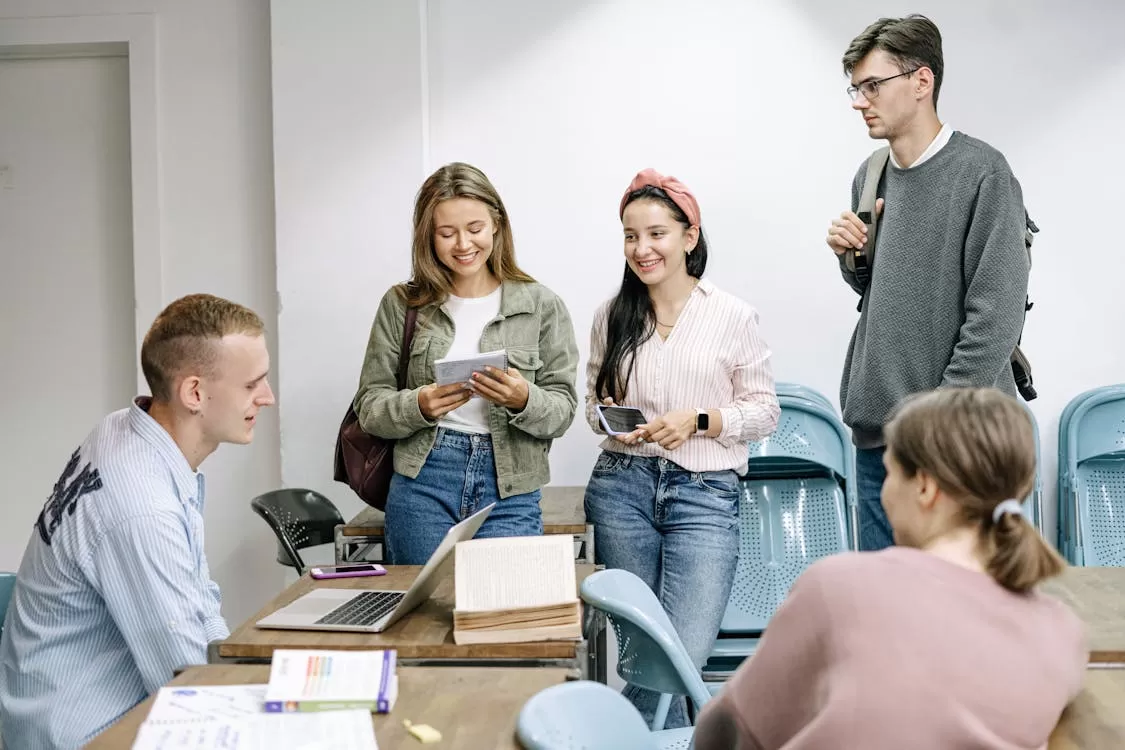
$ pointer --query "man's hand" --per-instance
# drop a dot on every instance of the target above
(438, 400)
(848, 232)
(673, 429)
(501, 388)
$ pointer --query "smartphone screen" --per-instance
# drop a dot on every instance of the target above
(621, 419)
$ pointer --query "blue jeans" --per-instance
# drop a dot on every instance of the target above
(874, 528)
(457, 480)
(678, 532)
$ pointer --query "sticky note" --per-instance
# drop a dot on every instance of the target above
(424, 733)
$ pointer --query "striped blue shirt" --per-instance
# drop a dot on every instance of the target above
(113, 592)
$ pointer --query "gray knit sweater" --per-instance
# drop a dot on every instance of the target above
(945, 305)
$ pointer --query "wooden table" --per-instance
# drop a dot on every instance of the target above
(1097, 595)
(474, 708)
(563, 513)
(1096, 719)
(424, 637)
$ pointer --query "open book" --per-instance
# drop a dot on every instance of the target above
(516, 589)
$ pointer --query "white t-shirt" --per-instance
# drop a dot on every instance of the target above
(470, 316)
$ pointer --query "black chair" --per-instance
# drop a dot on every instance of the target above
(300, 519)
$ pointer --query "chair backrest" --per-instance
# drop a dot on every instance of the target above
(1092, 477)
(810, 442)
(785, 525)
(650, 653)
(803, 391)
(7, 586)
(299, 518)
(582, 715)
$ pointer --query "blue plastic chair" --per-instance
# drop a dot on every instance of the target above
(1092, 478)
(803, 391)
(7, 585)
(1066, 528)
(794, 510)
(650, 653)
(586, 715)
(1033, 504)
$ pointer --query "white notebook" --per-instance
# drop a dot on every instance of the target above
(460, 370)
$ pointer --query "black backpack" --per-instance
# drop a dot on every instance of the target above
(860, 262)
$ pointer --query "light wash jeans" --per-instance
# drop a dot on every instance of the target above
(678, 532)
(457, 480)
(874, 528)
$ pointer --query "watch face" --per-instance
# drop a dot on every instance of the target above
(702, 421)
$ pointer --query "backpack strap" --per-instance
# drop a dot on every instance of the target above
(408, 325)
(860, 262)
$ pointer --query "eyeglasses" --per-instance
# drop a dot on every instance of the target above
(870, 89)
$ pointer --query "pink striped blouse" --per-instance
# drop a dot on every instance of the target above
(713, 359)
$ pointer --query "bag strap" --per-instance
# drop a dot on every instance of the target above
(407, 339)
(861, 261)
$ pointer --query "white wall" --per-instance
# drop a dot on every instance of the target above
(217, 228)
(64, 149)
(562, 103)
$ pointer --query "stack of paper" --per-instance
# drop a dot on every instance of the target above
(303, 680)
(516, 589)
(230, 717)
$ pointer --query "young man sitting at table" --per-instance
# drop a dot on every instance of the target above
(114, 592)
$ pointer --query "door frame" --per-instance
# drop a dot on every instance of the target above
(132, 35)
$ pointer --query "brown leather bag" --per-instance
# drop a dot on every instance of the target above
(365, 462)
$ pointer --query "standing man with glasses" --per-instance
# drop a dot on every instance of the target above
(943, 304)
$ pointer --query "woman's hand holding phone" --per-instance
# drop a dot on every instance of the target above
(630, 438)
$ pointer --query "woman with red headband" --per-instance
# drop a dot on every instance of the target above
(663, 498)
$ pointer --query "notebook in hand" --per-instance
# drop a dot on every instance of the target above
(303, 680)
(516, 589)
(448, 371)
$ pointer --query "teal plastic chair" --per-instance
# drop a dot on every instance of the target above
(1067, 475)
(793, 510)
(803, 391)
(1033, 505)
(584, 715)
(7, 585)
(650, 653)
(1092, 478)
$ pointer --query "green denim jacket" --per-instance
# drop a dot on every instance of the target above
(535, 329)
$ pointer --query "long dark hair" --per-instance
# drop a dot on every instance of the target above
(632, 318)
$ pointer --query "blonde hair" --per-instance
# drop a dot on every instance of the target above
(978, 445)
(182, 338)
(430, 280)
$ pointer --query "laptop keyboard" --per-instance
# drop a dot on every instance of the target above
(366, 609)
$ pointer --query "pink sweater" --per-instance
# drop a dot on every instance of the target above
(898, 650)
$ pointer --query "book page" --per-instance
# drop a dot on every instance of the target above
(329, 730)
(514, 572)
(206, 702)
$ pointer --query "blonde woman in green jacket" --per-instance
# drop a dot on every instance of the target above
(462, 446)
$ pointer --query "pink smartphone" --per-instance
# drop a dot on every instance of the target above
(347, 571)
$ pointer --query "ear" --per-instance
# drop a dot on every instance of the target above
(927, 491)
(923, 83)
(691, 238)
(190, 391)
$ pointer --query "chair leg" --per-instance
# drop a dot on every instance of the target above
(661, 716)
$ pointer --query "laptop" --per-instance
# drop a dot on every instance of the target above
(368, 611)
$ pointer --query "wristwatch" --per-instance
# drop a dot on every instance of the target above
(702, 420)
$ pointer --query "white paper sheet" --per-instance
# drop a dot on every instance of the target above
(327, 730)
(207, 702)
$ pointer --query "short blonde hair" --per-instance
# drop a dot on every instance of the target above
(978, 444)
(182, 338)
